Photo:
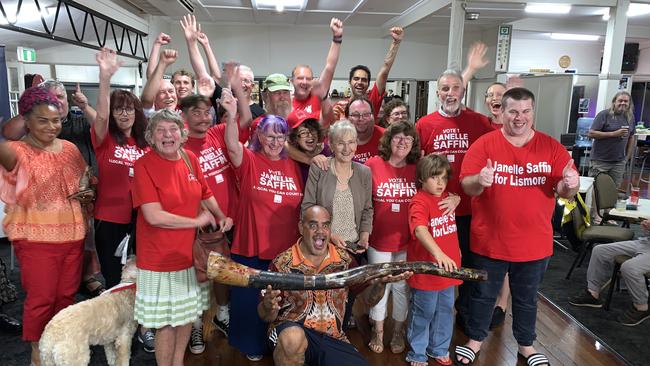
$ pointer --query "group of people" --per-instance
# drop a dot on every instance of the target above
(302, 185)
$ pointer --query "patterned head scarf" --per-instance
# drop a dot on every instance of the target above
(34, 96)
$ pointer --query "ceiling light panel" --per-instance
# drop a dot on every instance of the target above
(547, 8)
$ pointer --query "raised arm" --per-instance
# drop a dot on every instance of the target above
(398, 34)
(213, 64)
(7, 156)
(243, 104)
(327, 74)
(108, 66)
(191, 31)
(475, 61)
(235, 148)
(14, 128)
(80, 100)
(167, 57)
(160, 41)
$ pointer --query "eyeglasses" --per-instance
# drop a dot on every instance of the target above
(278, 138)
(247, 81)
(399, 114)
(128, 110)
(307, 133)
(357, 115)
(404, 139)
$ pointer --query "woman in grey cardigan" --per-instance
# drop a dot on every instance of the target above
(345, 189)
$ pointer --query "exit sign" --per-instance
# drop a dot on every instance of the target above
(26, 54)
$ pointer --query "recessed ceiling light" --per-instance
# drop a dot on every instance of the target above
(574, 37)
(278, 5)
(547, 8)
(637, 9)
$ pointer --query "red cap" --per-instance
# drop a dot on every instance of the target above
(297, 117)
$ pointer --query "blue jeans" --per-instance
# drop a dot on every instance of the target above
(430, 324)
(525, 278)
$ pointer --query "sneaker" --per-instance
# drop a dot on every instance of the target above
(148, 340)
(632, 316)
(197, 346)
(586, 299)
(222, 326)
(254, 358)
(498, 317)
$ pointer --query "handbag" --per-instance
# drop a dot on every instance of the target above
(207, 239)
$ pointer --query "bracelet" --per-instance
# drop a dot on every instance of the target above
(338, 39)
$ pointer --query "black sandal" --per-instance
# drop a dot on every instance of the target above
(85, 287)
(535, 359)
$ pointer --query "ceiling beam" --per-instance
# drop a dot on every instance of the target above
(415, 13)
(571, 2)
(561, 26)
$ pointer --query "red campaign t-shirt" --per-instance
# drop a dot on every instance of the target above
(424, 211)
(452, 136)
(392, 190)
(179, 192)
(215, 164)
(511, 220)
(311, 106)
(115, 165)
(269, 206)
(370, 148)
(374, 97)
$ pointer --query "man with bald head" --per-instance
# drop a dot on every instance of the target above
(305, 326)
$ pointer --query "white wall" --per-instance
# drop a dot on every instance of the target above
(526, 54)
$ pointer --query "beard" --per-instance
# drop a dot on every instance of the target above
(282, 109)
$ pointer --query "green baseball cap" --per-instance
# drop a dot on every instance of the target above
(275, 82)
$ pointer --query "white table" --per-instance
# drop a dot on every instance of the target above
(630, 168)
(642, 212)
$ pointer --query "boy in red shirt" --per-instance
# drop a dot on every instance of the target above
(431, 323)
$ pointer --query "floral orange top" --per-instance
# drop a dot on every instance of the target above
(35, 193)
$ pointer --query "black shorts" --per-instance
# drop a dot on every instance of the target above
(322, 350)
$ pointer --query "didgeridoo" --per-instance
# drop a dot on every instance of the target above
(225, 271)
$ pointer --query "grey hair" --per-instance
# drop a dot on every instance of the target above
(51, 83)
(246, 68)
(340, 129)
(451, 72)
(163, 115)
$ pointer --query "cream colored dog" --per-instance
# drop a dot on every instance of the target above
(105, 320)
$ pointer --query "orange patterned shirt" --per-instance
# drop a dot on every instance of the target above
(320, 310)
(35, 193)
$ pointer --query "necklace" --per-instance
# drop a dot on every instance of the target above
(339, 179)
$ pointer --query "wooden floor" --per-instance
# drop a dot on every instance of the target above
(559, 336)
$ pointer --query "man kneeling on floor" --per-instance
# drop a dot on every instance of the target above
(305, 326)
(600, 270)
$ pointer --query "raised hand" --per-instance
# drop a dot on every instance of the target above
(570, 176)
(486, 176)
(190, 27)
(202, 38)
(336, 25)
(228, 102)
(476, 57)
(79, 99)
(205, 86)
(168, 57)
(163, 39)
(397, 33)
(231, 74)
(107, 62)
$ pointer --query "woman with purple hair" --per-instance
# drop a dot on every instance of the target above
(267, 218)
(37, 176)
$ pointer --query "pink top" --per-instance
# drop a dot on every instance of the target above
(36, 194)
